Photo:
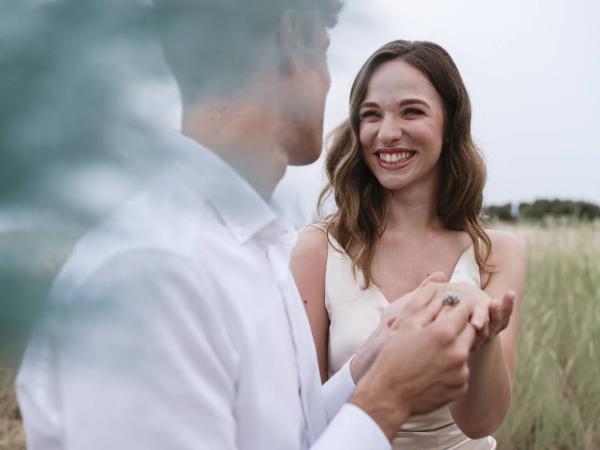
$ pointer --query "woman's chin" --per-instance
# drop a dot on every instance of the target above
(393, 183)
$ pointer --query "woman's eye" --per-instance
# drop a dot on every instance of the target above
(368, 115)
(413, 111)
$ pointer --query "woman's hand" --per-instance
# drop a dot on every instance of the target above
(488, 316)
(498, 319)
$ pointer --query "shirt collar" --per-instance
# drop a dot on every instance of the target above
(243, 211)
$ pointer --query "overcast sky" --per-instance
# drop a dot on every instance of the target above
(532, 69)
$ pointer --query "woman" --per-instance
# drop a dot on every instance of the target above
(408, 184)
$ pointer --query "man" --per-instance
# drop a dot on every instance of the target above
(176, 323)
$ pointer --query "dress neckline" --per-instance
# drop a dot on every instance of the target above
(380, 293)
(373, 287)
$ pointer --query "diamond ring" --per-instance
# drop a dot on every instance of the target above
(450, 298)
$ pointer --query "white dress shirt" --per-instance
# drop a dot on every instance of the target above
(176, 324)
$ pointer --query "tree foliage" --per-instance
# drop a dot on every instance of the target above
(542, 208)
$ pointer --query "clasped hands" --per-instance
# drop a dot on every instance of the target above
(487, 316)
(417, 358)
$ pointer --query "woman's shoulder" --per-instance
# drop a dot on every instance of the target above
(505, 239)
(321, 227)
(309, 256)
(507, 254)
(506, 246)
(312, 240)
(317, 231)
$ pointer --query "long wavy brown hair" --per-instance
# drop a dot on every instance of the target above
(361, 215)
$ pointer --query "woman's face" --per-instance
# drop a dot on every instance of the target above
(401, 126)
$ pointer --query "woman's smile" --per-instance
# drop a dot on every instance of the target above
(396, 158)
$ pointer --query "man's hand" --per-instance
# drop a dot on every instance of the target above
(422, 364)
(399, 308)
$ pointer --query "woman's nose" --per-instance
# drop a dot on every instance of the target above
(390, 131)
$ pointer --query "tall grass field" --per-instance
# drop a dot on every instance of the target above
(556, 393)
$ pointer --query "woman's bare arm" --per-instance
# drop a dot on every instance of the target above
(483, 408)
(308, 265)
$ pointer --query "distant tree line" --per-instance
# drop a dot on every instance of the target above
(541, 209)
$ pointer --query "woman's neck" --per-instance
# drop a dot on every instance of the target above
(414, 209)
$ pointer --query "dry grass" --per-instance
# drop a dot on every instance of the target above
(556, 402)
(11, 432)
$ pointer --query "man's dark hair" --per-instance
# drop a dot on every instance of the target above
(211, 46)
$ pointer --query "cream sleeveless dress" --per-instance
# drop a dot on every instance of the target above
(355, 313)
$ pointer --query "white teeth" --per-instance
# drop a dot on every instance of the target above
(394, 157)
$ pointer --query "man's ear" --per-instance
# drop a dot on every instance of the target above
(292, 43)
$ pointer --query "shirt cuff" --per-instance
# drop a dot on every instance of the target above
(352, 429)
(338, 389)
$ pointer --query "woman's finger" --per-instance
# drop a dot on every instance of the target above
(480, 317)
(417, 299)
(484, 333)
(427, 314)
(508, 304)
(435, 277)
(420, 297)
(500, 312)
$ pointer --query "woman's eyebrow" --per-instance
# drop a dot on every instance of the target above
(368, 105)
(411, 101)
(406, 101)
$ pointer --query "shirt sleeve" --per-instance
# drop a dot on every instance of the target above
(338, 389)
(352, 429)
(147, 361)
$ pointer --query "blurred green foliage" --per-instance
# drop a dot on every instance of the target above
(543, 209)
(559, 208)
(500, 212)
(73, 140)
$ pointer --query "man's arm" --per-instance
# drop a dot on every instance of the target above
(338, 389)
(146, 361)
(352, 429)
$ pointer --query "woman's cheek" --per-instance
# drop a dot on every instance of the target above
(366, 134)
(428, 133)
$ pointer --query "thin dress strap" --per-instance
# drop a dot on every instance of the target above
(318, 226)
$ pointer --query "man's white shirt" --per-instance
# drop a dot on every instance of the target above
(176, 324)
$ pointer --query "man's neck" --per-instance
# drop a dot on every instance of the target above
(245, 135)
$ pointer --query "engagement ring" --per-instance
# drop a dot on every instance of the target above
(450, 299)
